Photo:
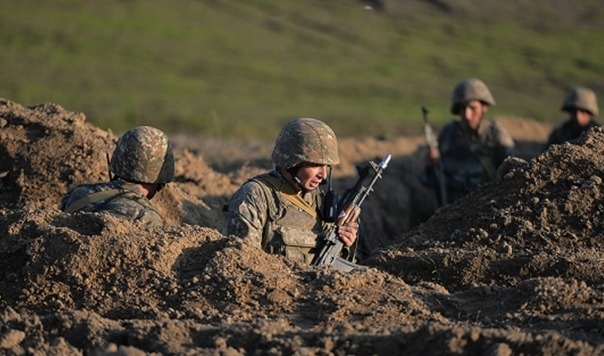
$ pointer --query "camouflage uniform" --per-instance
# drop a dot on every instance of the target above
(269, 212)
(578, 98)
(143, 155)
(118, 197)
(469, 158)
(567, 131)
(260, 212)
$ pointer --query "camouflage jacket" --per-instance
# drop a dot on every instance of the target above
(567, 131)
(264, 211)
(117, 197)
(469, 159)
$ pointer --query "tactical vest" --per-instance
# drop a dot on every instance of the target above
(469, 159)
(294, 226)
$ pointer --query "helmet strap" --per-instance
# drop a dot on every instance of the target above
(293, 172)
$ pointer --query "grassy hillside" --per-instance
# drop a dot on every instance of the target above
(237, 68)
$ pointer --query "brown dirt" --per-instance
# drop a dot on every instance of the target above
(514, 268)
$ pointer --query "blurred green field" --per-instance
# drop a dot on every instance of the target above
(240, 69)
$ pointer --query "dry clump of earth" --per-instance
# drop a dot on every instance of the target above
(515, 267)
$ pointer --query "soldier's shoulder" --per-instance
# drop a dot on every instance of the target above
(449, 131)
(492, 127)
(564, 125)
(451, 126)
(133, 206)
(251, 190)
(83, 190)
(254, 185)
(491, 124)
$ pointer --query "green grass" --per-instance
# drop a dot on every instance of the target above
(242, 68)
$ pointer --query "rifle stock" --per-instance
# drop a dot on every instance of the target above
(331, 251)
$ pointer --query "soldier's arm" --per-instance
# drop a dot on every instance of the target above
(247, 213)
(554, 138)
(151, 218)
(505, 143)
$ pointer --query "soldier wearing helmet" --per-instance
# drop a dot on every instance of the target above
(141, 164)
(469, 149)
(281, 211)
(582, 107)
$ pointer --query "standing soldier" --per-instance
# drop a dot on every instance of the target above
(470, 149)
(142, 163)
(582, 107)
(282, 211)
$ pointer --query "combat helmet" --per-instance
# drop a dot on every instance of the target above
(305, 140)
(581, 98)
(144, 155)
(470, 89)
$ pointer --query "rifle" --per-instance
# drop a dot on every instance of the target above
(329, 255)
(433, 144)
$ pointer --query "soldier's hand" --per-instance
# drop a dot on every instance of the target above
(432, 157)
(348, 233)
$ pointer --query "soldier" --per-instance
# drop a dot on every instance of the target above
(470, 149)
(142, 163)
(582, 107)
(282, 211)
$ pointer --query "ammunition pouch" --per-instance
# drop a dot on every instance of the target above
(295, 244)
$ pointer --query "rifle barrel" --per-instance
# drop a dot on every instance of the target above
(378, 174)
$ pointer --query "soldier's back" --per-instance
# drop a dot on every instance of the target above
(117, 197)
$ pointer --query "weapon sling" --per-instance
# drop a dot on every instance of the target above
(93, 198)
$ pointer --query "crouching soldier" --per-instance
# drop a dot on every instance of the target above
(282, 211)
(142, 163)
(471, 148)
(581, 105)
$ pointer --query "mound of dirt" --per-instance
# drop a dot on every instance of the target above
(513, 268)
(46, 150)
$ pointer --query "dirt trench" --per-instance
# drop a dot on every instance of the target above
(513, 268)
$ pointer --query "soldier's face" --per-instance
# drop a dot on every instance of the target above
(581, 117)
(311, 175)
(472, 113)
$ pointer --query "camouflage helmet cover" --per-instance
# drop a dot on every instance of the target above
(470, 89)
(143, 154)
(305, 140)
(581, 98)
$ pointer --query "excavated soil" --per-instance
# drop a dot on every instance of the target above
(514, 268)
